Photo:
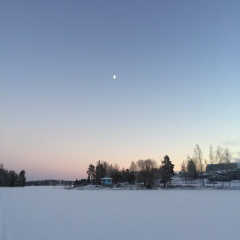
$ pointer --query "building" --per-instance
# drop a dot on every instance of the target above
(221, 167)
(106, 181)
(223, 171)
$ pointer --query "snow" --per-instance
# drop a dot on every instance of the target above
(54, 213)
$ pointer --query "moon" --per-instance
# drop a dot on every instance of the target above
(114, 77)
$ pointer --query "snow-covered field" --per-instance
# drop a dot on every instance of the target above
(48, 213)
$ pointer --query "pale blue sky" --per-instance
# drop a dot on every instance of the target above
(178, 82)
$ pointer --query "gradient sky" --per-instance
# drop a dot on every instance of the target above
(178, 82)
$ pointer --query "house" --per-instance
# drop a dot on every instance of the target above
(221, 167)
(223, 171)
(106, 181)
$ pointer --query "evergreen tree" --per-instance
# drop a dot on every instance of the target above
(22, 178)
(91, 173)
(100, 172)
(3, 176)
(12, 177)
(128, 176)
(166, 170)
(191, 170)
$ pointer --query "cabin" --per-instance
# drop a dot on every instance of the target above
(106, 181)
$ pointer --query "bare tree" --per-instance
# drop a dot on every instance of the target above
(227, 156)
(116, 174)
(227, 160)
(133, 167)
(219, 155)
(147, 172)
(199, 161)
(212, 159)
(220, 158)
(183, 167)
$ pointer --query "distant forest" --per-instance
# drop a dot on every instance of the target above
(11, 178)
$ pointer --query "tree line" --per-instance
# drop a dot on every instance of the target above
(148, 171)
(144, 171)
(11, 178)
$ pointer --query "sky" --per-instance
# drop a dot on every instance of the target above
(177, 82)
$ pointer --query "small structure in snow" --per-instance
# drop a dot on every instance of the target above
(106, 181)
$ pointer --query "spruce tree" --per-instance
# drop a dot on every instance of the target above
(166, 170)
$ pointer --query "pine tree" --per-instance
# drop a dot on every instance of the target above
(166, 170)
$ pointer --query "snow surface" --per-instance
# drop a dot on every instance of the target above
(54, 213)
